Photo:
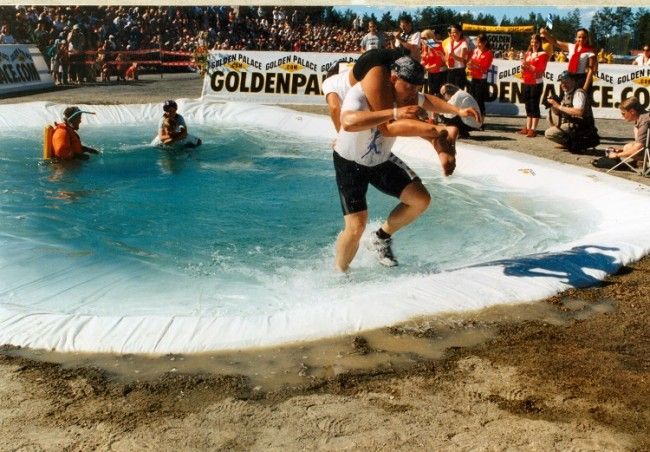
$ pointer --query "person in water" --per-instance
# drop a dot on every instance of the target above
(172, 128)
(362, 156)
(66, 143)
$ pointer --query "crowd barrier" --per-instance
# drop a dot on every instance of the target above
(22, 68)
(147, 57)
(296, 78)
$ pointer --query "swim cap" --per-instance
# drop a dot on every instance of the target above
(409, 70)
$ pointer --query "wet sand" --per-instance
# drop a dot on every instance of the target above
(568, 373)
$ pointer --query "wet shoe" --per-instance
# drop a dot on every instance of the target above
(382, 249)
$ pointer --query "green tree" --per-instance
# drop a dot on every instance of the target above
(387, 23)
(641, 26)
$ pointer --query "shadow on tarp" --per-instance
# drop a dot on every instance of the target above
(570, 266)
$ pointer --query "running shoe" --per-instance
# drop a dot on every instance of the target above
(382, 250)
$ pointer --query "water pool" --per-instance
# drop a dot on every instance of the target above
(239, 230)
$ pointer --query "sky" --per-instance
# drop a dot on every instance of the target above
(497, 11)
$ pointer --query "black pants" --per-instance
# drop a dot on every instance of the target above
(457, 77)
(532, 95)
(435, 81)
(478, 88)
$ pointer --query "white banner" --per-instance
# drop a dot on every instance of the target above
(295, 78)
(269, 77)
(22, 68)
(613, 83)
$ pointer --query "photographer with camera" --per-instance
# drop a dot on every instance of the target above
(407, 38)
(575, 129)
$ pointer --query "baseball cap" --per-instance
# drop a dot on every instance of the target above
(71, 112)
(564, 75)
(409, 70)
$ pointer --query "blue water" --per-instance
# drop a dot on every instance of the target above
(249, 217)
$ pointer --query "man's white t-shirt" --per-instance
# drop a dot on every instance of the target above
(366, 147)
(462, 99)
(339, 84)
(640, 60)
(579, 99)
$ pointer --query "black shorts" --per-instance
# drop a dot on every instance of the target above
(352, 179)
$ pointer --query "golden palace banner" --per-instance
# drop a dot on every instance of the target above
(269, 77)
(613, 84)
(296, 78)
(22, 68)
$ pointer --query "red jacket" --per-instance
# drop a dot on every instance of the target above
(538, 60)
(484, 61)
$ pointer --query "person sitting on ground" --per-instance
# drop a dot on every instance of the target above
(632, 111)
(575, 129)
(172, 128)
(66, 143)
(457, 126)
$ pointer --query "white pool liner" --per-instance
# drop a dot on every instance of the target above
(622, 235)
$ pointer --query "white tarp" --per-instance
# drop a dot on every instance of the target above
(22, 68)
(296, 78)
(617, 210)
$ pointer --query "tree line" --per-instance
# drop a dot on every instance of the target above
(617, 30)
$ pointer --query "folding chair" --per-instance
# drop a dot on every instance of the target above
(645, 165)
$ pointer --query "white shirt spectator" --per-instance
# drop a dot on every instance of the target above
(642, 60)
(372, 41)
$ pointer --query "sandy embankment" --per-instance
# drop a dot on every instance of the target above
(569, 373)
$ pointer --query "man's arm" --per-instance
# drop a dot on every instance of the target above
(355, 121)
(89, 149)
(628, 150)
(592, 69)
(437, 105)
(568, 111)
(334, 107)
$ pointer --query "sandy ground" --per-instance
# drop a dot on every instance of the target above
(568, 373)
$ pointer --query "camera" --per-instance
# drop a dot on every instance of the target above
(546, 103)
